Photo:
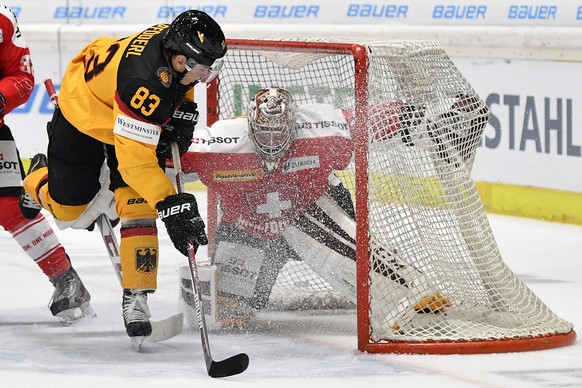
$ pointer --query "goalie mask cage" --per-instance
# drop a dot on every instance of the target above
(412, 190)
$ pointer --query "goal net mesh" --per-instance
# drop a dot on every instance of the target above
(422, 205)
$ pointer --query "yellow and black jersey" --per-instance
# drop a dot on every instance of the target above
(120, 92)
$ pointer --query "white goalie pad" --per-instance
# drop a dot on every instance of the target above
(238, 267)
(335, 268)
(219, 312)
(233, 277)
(325, 240)
(207, 281)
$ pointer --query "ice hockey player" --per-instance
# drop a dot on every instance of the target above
(273, 172)
(122, 102)
(70, 300)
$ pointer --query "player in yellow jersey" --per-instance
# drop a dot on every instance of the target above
(122, 102)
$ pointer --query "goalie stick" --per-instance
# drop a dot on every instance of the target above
(237, 363)
(161, 330)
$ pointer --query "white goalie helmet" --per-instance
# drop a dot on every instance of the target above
(271, 119)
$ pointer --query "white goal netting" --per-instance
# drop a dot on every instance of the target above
(418, 123)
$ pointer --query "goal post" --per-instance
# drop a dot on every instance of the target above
(416, 126)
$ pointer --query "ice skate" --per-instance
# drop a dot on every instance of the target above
(136, 317)
(70, 300)
(27, 204)
(433, 304)
(411, 307)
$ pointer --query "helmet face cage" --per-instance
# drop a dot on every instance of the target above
(211, 71)
(271, 119)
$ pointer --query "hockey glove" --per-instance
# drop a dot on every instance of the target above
(179, 212)
(178, 130)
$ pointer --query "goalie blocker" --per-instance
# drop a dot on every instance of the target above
(324, 238)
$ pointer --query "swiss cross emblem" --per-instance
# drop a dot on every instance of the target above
(274, 205)
(274, 201)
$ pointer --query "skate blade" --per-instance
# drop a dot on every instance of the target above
(137, 342)
(70, 316)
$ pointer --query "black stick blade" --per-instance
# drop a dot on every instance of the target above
(229, 367)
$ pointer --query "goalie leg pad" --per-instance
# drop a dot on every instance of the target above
(325, 239)
(247, 266)
(238, 268)
(334, 267)
(221, 312)
(139, 254)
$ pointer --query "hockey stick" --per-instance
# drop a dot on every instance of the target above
(237, 363)
(161, 330)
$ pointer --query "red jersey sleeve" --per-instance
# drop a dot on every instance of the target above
(16, 73)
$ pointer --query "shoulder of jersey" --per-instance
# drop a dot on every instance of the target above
(320, 120)
(8, 16)
(224, 136)
(8, 21)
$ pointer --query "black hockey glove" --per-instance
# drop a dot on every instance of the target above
(178, 130)
(183, 222)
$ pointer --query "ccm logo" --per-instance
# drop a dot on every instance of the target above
(174, 210)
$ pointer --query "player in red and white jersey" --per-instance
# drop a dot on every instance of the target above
(261, 193)
(273, 172)
(70, 299)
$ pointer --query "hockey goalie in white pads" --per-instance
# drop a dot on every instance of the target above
(325, 239)
(274, 174)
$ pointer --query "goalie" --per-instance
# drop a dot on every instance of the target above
(280, 199)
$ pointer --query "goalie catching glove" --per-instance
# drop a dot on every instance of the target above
(178, 130)
(179, 212)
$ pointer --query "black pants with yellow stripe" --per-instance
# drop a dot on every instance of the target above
(74, 167)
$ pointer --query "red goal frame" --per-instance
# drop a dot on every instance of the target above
(359, 54)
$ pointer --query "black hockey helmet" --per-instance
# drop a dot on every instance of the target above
(196, 35)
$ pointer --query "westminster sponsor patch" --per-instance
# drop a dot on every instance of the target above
(302, 163)
(136, 130)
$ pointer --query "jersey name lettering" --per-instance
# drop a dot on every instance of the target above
(138, 44)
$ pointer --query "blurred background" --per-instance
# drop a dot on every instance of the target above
(522, 57)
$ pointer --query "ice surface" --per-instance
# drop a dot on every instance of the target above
(286, 350)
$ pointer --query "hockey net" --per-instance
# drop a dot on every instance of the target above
(413, 194)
